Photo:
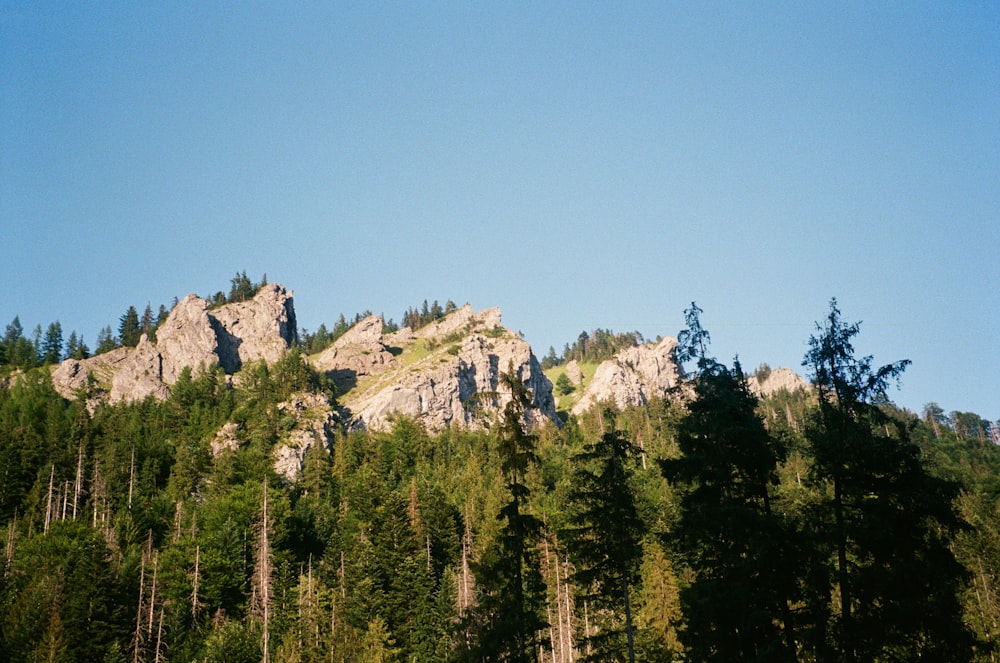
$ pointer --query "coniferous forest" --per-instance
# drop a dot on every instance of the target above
(711, 525)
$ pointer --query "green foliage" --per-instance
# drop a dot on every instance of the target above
(593, 347)
(124, 534)
(605, 539)
(129, 330)
(416, 318)
(510, 614)
(729, 534)
(887, 522)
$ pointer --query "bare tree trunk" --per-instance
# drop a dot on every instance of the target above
(48, 502)
(152, 594)
(569, 613)
(137, 640)
(8, 557)
(159, 639)
(178, 517)
(131, 478)
(65, 500)
(78, 483)
(262, 577)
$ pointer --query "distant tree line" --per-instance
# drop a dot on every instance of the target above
(594, 347)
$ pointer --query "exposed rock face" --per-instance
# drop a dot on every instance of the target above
(633, 376)
(139, 375)
(777, 380)
(261, 328)
(313, 424)
(361, 352)
(458, 381)
(225, 439)
(193, 335)
(573, 373)
(187, 338)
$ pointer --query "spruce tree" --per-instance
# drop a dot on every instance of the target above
(129, 329)
(737, 605)
(605, 538)
(513, 591)
(889, 525)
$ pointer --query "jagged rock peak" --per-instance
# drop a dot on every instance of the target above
(633, 376)
(193, 335)
(448, 374)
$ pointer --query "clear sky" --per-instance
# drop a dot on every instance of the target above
(578, 164)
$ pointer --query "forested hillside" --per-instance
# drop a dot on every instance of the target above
(709, 525)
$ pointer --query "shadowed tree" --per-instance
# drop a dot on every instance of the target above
(605, 539)
(737, 605)
(895, 580)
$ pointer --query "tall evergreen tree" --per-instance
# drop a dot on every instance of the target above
(605, 538)
(129, 329)
(895, 579)
(105, 340)
(52, 345)
(511, 607)
(737, 606)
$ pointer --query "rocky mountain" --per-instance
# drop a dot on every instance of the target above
(777, 380)
(193, 335)
(446, 373)
(632, 376)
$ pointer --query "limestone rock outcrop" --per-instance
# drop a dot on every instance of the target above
(633, 376)
(777, 380)
(448, 374)
(193, 335)
(260, 328)
(311, 420)
(573, 373)
(360, 352)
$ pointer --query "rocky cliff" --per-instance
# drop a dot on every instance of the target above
(632, 376)
(779, 379)
(447, 373)
(193, 335)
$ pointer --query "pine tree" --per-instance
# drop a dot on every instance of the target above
(513, 592)
(605, 540)
(737, 606)
(128, 328)
(52, 346)
(890, 523)
(105, 341)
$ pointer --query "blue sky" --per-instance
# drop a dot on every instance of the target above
(579, 165)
